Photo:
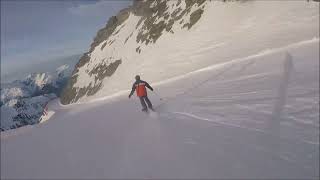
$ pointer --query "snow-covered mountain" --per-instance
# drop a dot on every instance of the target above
(23, 101)
(236, 93)
(126, 40)
(161, 39)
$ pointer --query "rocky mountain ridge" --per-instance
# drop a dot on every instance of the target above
(153, 18)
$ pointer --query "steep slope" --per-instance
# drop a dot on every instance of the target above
(240, 100)
(163, 39)
(212, 123)
(126, 35)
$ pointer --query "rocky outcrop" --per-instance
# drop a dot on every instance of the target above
(70, 93)
(113, 22)
(152, 28)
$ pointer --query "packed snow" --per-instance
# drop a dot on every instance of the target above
(242, 102)
(213, 123)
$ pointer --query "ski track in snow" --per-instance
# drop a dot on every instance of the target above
(209, 68)
(221, 131)
(218, 122)
(214, 122)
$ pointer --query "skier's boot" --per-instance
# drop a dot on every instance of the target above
(144, 110)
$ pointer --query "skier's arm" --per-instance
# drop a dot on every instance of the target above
(148, 86)
(132, 91)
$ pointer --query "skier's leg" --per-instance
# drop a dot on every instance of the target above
(148, 102)
(143, 104)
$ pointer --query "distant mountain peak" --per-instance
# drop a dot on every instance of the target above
(22, 101)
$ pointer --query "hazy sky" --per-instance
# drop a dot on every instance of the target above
(40, 30)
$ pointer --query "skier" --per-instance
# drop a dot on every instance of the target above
(140, 87)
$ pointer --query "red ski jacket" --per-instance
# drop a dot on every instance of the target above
(140, 88)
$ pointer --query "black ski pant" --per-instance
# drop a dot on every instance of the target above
(144, 100)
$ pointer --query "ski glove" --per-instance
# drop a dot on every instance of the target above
(129, 95)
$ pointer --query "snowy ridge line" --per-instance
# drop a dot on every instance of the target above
(239, 126)
(231, 64)
(238, 60)
(206, 69)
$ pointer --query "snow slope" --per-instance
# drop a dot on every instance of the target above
(221, 129)
(241, 101)
(224, 31)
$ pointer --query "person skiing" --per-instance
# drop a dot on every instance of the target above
(140, 87)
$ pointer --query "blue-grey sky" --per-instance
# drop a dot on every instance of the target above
(41, 30)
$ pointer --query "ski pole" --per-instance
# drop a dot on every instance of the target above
(157, 95)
